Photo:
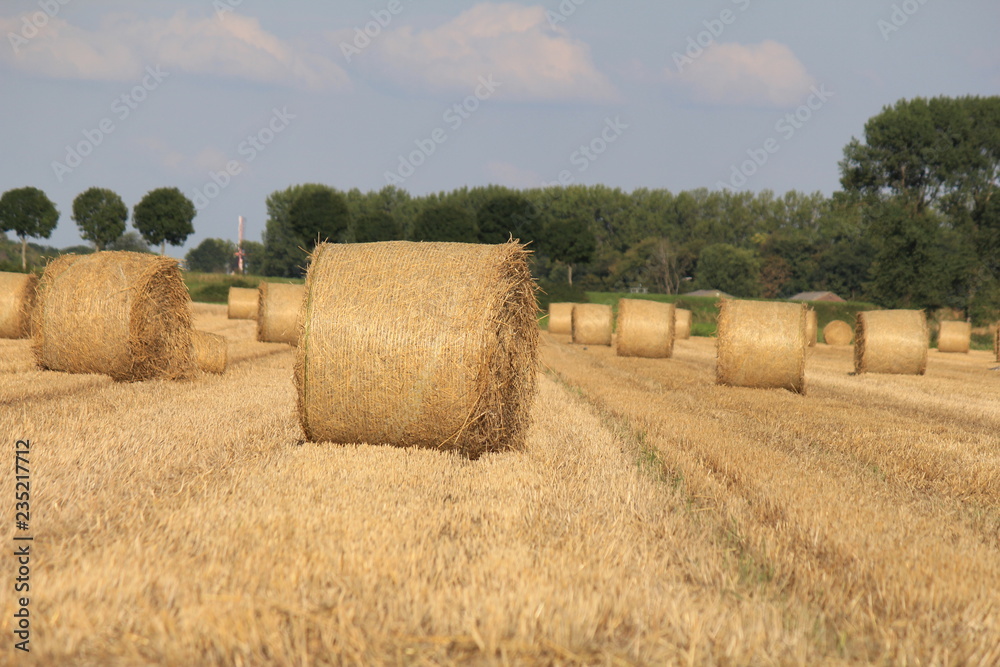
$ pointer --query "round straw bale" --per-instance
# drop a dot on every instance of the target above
(278, 312)
(838, 332)
(418, 344)
(761, 344)
(211, 351)
(891, 341)
(242, 303)
(123, 314)
(812, 326)
(17, 300)
(682, 324)
(561, 318)
(593, 324)
(645, 329)
(955, 337)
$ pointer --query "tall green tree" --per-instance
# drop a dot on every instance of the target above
(504, 216)
(164, 216)
(569, 239)
(27, 212)
(317, 214)
(445, 222)
(211, 256)
(101, 216)
(733, 270)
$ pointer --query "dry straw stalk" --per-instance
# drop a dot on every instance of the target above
(645, 329)
(123, 314)
(838, 332)
(682, 324)
(761, 344)
(812, 326)
(891, 341)
(561, 318)
(955, 337)
(17, 300)
(211, 352)
(278, 312)
(418, 344)
(593, 324)
(242, 303)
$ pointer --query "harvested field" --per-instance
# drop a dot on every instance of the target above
(652, 518)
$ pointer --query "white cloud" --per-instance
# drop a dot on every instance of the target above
(765, 74)
(513, 43)
(124, 45)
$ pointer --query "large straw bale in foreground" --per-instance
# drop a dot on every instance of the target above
(242, 303)
(955, 337)
(123, 314)
(561, 318)
(838, 333)
(812, 327)
(682, 324)
(422, 344)
(211, 351)
(593, 324)
(891, 341)
(17, 300)
(645, 329)
(278, 312)
(761, 344)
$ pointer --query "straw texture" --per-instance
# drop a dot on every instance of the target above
(645, 329)
(761, 344)
(561, 318)
(278, 312)
(955, 337)
(996, 341)
(418, 344)
(593, 324)
(242, 303)
(838, 332)
(891, 341)
(812, 327)
(211, 351)
(682, 324)
(123, 314)
(17, 300)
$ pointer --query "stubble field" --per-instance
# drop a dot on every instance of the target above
(654, 518)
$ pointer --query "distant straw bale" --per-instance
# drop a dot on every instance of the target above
(17, 300)
(593, 324)
(955, 337)
(812, 327)
(762, 344)
(682, 324)
(561, 318)
(123, 314)
(891, 341)
(838, 333)
(242, 303)
(418, 344)
(278, 312)
(645, 329)
(211, 352)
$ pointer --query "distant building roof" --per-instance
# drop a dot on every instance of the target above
(815, 296)
(718, 294)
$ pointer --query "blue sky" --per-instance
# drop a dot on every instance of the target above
(229, 100)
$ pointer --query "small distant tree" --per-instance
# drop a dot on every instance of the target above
(211, 256)
(445, 222)
(253, 257)
(27, 212)
(129, 241)
(164, 216)
(101, 215)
